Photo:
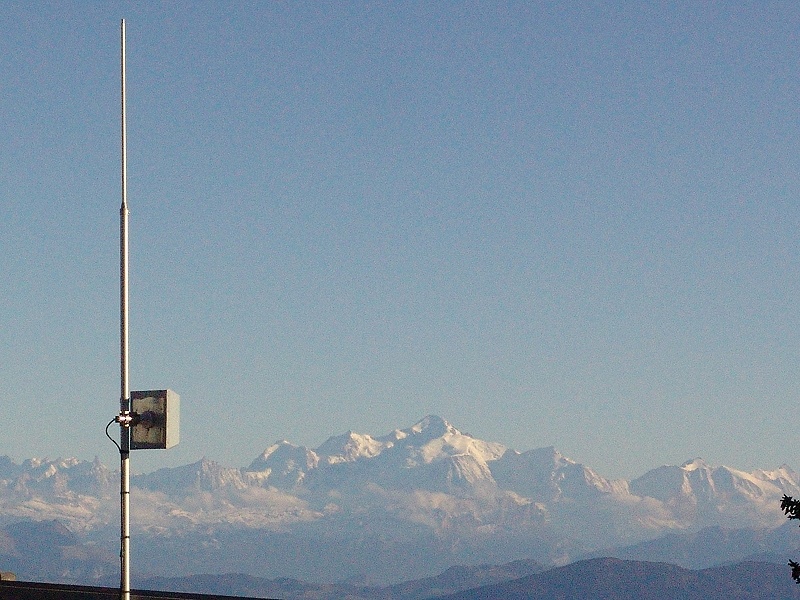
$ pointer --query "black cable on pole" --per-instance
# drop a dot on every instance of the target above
(114, 420)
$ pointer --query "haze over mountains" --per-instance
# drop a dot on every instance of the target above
(401, 506)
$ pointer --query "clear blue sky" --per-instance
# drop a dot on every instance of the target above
(569, 224)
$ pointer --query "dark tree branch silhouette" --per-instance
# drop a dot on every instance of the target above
(791, 508)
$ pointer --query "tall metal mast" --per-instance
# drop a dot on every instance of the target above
(147, 419)
(125, 396)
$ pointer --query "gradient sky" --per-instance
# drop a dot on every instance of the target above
(570, 224)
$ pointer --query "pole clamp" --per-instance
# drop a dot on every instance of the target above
(127, 418)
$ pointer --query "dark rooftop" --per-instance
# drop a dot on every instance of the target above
(26, 590)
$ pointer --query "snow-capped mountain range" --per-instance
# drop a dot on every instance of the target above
(407, 504)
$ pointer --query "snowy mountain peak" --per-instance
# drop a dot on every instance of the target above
(284, 464)
(280, 448)
(351, 446)
(694, 464)
(433, 439)
(432, 426)
(784, 473)
(203, 475)
(546, 475)
(395, 436)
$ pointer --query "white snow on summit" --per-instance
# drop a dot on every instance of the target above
(433, 439)
(350, 447)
